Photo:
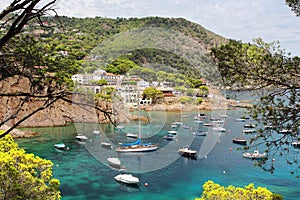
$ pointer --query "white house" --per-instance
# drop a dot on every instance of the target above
(83, 79)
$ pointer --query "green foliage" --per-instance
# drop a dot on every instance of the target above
(274, 76)
(185, 99)
(214, 191)
(106, 94)
(199, 100)
(100, 82)
(190, 92)
(25, 176)
(120, 66)
(152, 92)
(203, 91)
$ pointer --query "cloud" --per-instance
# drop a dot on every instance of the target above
(243, 20)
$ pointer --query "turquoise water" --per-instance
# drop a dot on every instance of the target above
(84, 173)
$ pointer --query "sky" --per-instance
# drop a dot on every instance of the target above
(243, 20)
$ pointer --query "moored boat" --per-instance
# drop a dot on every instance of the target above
(296, 144)
(169, 137)
(137, 146)
(172, 132)
(127, 178)
(131, 135)
(240, 120)
(239, 141)
(60, 146)
(186, 151)
(81, 138)
(200, 133)
(249, 126)
(114, 162)
(254, 155)
(219, 129)
(249, 131)
(106, 145)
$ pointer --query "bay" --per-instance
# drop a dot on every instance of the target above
(84, 173)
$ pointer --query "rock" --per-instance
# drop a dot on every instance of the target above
(16, 133)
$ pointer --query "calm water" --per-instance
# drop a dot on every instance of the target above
(84, 174)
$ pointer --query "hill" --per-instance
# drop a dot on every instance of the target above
(173, 45)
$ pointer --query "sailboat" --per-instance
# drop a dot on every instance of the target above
(137, 146)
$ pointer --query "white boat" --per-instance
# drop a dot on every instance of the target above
(120, 127)
(131, 135)
(96, 132)
(172, 132)
(219, 129)
(114, 162)
(186, 151)
(200, 133)
(81, 138)
(254, 155)
(127, 178)
(249, 131)
(207, 124)
(60, 146)
(223, 116)
(185, 126)
(106, 145)
(178, 123)
(240, 120)
(249, 126)
(137, 146)
(285, 131)
(169, 137)
(296, 144)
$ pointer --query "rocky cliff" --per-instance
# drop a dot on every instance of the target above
(57, 114)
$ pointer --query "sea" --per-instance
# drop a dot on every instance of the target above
(84, 173)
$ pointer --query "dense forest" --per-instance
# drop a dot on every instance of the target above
(155, 48)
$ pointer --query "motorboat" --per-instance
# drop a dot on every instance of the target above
(240, 120)
(114, 162)
(239, 141)
(60, 146)
(223, 116)
(81, 138)
(106, 145)
(172, 132)
(254, 155)
(169, 137)
(186, 151)
(249, 131)
(296, 144)
(119, 127)
(131, 135)
(96, 132)
(185, 126)
(249, 126)
(285, 131)
(207, 124)
(127, 178)
(219, 129)
(200, 133)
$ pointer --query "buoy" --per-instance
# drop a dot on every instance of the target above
(273, 160)
(205, 156)
(224, 172)
(146, 184)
